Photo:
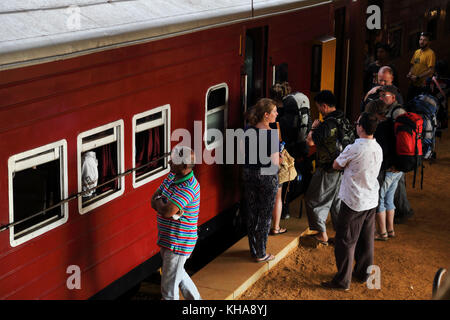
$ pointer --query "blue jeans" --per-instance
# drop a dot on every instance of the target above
(174, 277)
(387, 191)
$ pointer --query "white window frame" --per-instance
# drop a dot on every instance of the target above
(165, 121)
(118, 127)
(29, 159)
(224, 107)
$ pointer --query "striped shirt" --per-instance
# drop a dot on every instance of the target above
(180, 235)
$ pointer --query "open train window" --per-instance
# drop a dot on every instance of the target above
(280, 73)
(151, 141)
(215, 114)
(37, 182)
(100, 161)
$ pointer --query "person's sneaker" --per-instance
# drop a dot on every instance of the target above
(286, 216)
(285, 213)
(332, 285)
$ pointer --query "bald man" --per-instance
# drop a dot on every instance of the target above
(385, 77)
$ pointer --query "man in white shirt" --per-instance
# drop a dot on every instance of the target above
(361, 162)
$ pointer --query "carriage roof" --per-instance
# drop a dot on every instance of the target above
(36, 31)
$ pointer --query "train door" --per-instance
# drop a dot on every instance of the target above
(322, 68)
(255, 66)
(342, 63)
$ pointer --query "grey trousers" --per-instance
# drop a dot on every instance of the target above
(403, 208)
(354, 242)
(174, 277)
(322, 198)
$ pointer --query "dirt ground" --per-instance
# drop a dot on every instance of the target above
(408, 263)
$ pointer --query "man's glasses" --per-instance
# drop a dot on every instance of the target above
(386, 95)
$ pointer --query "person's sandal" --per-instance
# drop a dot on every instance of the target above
(268, 257)
(280, 230)
(391, 234)
(382, 236)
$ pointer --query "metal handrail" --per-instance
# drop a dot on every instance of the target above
(4, 227)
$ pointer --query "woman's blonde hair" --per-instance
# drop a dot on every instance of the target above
(256, 113)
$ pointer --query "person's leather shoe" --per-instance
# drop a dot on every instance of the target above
(359, 279)
(334, 286)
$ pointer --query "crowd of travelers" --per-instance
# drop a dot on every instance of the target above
(358, 174)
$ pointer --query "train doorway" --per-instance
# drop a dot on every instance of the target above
(342, 46)
(255, 65)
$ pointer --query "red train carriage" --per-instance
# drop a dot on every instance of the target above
(113, 80)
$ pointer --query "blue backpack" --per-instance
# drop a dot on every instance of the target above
(426, 106)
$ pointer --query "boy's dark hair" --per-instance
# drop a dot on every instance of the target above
(376, 106)
(368, 121)
(327, 97)
(389, 88)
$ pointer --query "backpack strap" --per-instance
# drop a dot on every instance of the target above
(398, 106)
(279, 131)
(439, 87)
(421, 178)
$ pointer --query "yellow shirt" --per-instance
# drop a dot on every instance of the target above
(422, 61)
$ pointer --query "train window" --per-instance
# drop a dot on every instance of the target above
(216, 114)
(280, 73)
(151, 141)
(37, 187)
(100, 162)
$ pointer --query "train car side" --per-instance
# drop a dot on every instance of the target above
(59, 101)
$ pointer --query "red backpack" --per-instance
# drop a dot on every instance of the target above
(408, 142)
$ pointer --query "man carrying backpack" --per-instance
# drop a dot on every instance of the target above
(329, 137)
(388, 94)
(390, 177)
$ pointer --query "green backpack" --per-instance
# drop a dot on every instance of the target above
(345, 136)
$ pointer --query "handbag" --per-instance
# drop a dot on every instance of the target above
(287, 168)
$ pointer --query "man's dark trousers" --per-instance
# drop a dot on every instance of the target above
(354, 241)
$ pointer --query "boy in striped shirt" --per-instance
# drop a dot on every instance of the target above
(177, 202)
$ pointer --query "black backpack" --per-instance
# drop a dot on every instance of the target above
(346, 133)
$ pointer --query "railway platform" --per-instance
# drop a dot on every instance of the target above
(234, 271)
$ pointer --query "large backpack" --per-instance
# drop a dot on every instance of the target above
(295, 122)
(345, 133)
(295, 125)
(426, 106)
(408, 143)
(302, 118)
